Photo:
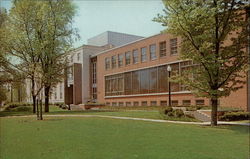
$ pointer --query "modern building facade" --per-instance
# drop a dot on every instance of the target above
(132, 74)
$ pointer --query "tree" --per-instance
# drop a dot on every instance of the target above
(41, 34)
(56, 36)
(214, 37)
(23, 43)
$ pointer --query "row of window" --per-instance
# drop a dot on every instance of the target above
(134, 55)
(144, 81)
(154, 103)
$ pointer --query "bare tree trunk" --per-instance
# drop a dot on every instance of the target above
(34, 103)
(214, 111)
(33, 95)
(46, 93)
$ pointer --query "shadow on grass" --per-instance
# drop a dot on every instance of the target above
(14, 113)
(7, 113)
(238, 129)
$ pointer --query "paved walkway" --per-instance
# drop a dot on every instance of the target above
(139, 119)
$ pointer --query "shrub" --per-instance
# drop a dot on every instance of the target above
(233, 116)
(22, 109)
(11, 106)
(178, 113)
(168, 110)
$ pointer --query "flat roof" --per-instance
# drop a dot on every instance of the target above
(102, 52)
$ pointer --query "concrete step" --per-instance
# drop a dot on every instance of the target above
(200, 116)
(76, 107)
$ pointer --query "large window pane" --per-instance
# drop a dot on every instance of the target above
(144, 81)
(153, 80)
(128, 83)
(136, 82)
(163, 79)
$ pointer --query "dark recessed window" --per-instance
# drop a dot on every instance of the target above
(113, 60)
(163, 103)
(200, 102)
(174, 102)
(186, 102)
(173, 46)
(152, 49)
(136, 103)
(163, 49)
(144, 103)
(153, 103)
(121, 104)
(120, 60)
(107, 63)
(143, 54)
(135, 56)
(128, 104)
(128, 57)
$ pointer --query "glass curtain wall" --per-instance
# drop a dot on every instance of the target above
(145, 81)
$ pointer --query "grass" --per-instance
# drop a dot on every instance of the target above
(102, 138)
(149, 114)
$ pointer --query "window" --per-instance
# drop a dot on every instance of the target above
(107, 63)
(164, 103)
(144, 81)
(78, 57)
(61, 93)
(121, 104)
(186, 102)
(135, 56)
(173, 46)
(152, 80)
(136, 82)
(162, 48)
(120, 60)
(114, 85)
(55, 93)
(128, 104)
(136, 103)
(144, 103)
(128, 83)
(174, 102)
(107, 104)
(114, 104)
(113, 58)
(127, 56)
(200, 102)
(153, 103)
(163, 79)
(143, 54)
(152, 52)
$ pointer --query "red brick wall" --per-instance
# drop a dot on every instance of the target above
(236, 99)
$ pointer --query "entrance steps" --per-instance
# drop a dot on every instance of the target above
(76, 107)
(199, 115)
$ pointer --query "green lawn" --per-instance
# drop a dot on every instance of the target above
(102, 138)
(150, 114)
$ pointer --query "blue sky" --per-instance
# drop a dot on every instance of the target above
(126, 16)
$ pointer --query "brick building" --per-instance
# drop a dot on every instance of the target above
(125, 70)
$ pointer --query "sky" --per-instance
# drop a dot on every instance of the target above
(126, 16)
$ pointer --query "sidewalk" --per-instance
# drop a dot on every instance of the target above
(140, 119)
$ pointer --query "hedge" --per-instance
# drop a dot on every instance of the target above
(234, 116)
